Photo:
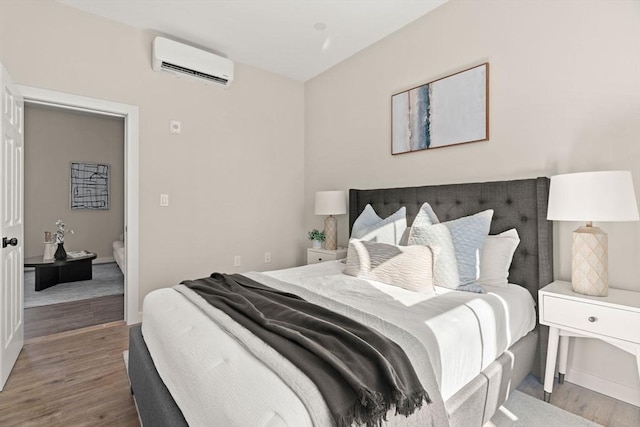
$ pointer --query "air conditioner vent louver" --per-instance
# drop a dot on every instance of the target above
(190, 62)
(183, 70)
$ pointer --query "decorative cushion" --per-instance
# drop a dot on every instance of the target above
(461, 241)
(409, 267)
(370, 227)
(426, 216)
(496, 256)
(445, 270)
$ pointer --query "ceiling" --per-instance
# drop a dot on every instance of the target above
(295, 38)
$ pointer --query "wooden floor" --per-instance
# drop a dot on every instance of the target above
(586, 403)
(78, 378)
(69, 316)
(71, 379)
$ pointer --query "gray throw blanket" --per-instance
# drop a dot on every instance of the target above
(360, 373)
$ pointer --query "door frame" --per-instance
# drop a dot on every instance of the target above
(130, 114)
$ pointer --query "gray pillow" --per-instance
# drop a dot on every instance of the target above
(369, 226)
(409, 267)
(465, 237)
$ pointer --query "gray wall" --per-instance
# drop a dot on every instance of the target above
(53, 139)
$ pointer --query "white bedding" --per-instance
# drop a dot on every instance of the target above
(464, 332)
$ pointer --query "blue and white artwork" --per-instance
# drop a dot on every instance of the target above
(452, 110)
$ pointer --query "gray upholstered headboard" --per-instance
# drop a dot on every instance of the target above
(520, 204)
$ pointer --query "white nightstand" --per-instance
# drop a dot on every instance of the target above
(614, 319)
(315, 256)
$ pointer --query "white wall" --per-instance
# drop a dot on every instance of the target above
(564, 97)
(235, 175)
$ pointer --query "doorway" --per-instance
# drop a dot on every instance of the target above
(73, 184)
(129, 113)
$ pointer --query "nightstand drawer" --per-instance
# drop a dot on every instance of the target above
(589, 317)
(315, 256)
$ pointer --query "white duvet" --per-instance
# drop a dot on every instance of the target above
(216, 381)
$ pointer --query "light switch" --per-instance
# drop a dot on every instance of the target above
(175, 126)
(164, 200)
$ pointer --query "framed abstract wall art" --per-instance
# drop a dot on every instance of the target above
(89, 186)
(448, 111)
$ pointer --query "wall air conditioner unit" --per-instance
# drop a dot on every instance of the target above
(187, 61)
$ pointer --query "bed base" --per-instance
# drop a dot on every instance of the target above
(473, 405)
(520, 203)
(155, 405)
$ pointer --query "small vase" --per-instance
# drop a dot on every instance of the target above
(316, 244)
(60, 254)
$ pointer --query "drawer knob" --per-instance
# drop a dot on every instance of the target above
(592, 319)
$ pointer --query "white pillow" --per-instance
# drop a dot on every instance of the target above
(496, 256)
(460, 239)
(370, 227)
(437, 236)
(408, 267)
(426, 216)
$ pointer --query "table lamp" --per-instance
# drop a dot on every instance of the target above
(591, 196)
(331, 203)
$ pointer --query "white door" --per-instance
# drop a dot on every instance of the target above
(11, 226)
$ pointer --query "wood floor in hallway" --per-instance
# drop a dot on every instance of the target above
(69, 316)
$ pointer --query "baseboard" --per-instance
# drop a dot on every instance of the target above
(609, 388)
(135, 321)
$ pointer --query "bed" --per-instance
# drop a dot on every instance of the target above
(469, 399)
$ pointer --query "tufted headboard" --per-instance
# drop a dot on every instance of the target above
(519, 204)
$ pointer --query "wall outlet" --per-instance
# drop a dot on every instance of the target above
(236, 261)
(164, 200)
(267, 257)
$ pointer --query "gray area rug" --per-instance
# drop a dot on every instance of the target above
(107, 280)
(526, 411)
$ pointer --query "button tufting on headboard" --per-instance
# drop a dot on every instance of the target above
(520, 204)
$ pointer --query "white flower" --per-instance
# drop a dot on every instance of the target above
(61, 231)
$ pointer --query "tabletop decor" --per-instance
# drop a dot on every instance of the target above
(60, 233)
(448, 111)
(316, 237)
(331, 203)
(588, 197)
(49, 246)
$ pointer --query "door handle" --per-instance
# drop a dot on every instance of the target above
(6, 242)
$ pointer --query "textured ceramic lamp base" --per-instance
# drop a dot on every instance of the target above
(589, 266)
(331, 233)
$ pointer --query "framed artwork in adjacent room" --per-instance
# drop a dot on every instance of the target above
(448, 111)
(89, 186)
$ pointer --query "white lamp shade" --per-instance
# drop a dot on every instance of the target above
(592, 196)
(331, 203)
